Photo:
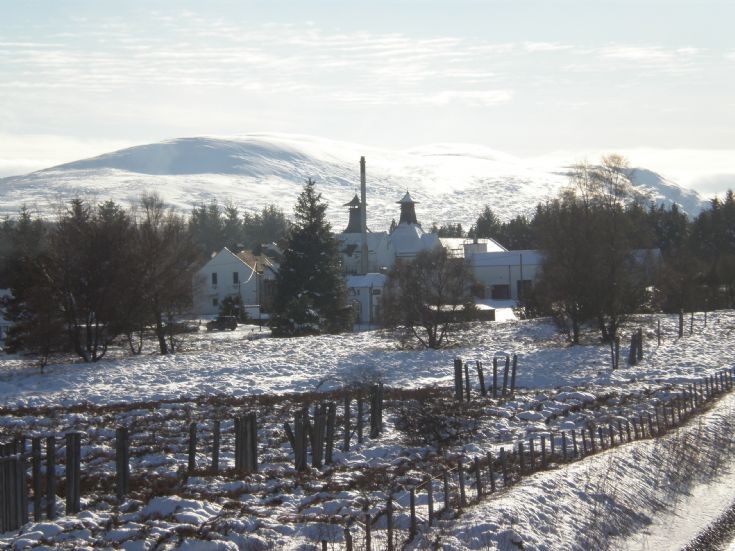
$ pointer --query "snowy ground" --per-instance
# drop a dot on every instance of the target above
(217, 375)
(237, 364)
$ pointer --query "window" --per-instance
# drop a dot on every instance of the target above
(214, 278)
(215, 301)
(235, 278)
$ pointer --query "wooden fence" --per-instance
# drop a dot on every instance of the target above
(436, 493)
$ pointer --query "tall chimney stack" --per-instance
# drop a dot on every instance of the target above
(363, 219)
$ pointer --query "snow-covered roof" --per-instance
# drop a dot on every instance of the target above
(506, 258)
(408, 239)
(460, 242)
(367, 280)
(406, 199)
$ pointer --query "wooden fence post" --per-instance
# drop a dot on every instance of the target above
(37, 496)
(564, 445)
(445, 479)
(521, 465)
(574, 443)
(359, 419)
(481, 378)
(504, 467)
(430, 499)
(192, 463)
(640, 344)
(478, 479)
(13, 489)
(50, 477)
(513, 375)
(506, 372)
(317, 432)
(122, 462)
(491, 471)
(460, 473)
(495, 377)
(611, 431)
(592, 439)
(412, 503)
(73, 472)
(458, 379)
(633, 352)
(532, 455)
(389, 521)
(216, 435)
(331, 421)
(348, 537)
(346, 444)
(368, 531)
(23, 480)
(467, 380)
(375, 413)
(543, 451)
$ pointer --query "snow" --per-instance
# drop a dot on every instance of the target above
(452, 182)
(233, 364)
(218, 374)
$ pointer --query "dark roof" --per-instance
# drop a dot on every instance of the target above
(354, 203)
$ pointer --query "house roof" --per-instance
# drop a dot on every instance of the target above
(256, 262)
(410, 239)
(354, 203)
(460, 242)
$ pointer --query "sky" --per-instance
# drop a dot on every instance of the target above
(558, 80)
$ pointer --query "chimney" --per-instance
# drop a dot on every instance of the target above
(363, 218)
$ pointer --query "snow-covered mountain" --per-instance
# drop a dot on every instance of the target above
(451, 182)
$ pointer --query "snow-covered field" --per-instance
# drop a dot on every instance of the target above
(218, 375)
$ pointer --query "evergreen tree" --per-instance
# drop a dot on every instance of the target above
(310, 292)
(268, 226)
(207, 227)
(487, 225)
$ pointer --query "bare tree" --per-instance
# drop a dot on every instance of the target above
(168, 259)
(428, 296)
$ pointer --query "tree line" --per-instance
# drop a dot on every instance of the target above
(98, 273)
(609, 252)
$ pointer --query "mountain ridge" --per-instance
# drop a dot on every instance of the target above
(452, 182)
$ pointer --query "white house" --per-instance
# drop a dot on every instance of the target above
(505, 274)
(227, 274)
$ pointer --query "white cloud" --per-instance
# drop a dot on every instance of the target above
(545, 46)
(484, 97)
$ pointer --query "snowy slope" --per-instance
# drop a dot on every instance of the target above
(452, 182)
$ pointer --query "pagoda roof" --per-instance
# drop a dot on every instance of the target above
(354, 203)
(407, 200)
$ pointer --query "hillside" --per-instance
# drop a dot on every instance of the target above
(452, 182)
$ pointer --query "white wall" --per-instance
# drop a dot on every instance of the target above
(208, 296)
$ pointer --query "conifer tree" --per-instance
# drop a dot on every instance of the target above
(310, 292)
